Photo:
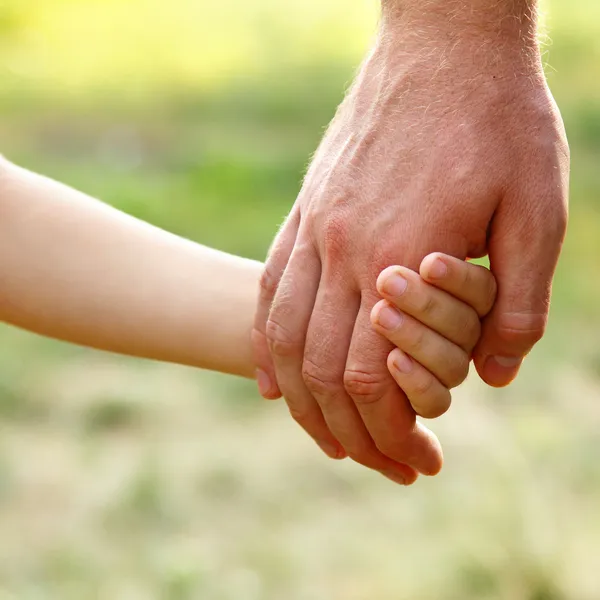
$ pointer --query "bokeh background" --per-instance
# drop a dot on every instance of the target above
(126, 480)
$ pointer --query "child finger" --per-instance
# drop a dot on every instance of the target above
(447, 361)
(428, 397)
(437, 309)
(466, 281)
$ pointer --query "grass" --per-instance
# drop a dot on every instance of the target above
(122, 479)
(212, 507)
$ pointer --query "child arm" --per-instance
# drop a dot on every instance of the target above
(78, 270)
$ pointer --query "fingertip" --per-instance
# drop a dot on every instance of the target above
(332, 449)
(405, 477)
(391, 365)
(399, 361)
(375, 312)
(435, 453)
(264, 373)
(410, 478)
(267, 387)
(436, 466)
(433, 267)
(383, 277)
(393, 281)
(436, 410)
(430, 406)
(498, 371)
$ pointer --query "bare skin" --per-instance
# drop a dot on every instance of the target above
(78, 270)
(448, 141)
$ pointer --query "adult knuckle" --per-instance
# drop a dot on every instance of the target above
(335, 235)
(389, 447)
(304, 416)
(320, 382)
(363, 387)
(282, 341)
(522, 328)
(364, 453)
(394, 447)
(383, 253)
(334, 227)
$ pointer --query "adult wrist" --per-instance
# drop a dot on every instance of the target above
(492, 15)
(466, 39)
(474, 26)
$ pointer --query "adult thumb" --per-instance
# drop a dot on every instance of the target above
(525, 241)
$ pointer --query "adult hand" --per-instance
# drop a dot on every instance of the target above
(449, 141)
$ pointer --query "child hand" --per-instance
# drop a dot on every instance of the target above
(434, 320)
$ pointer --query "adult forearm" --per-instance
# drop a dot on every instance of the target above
(487, 31)
(508, 15)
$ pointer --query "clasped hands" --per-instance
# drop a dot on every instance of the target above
(439, 147)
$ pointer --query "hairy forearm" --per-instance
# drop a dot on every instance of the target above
(479, 13)
(477, 26)
(75, 269)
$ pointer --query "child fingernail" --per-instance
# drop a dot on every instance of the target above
(438, 269)
(395, 285)
(265, 384)
(402, 362)
(389, 318)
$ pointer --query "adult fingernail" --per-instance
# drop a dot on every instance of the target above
(402, 362)
(508, 362)
(438, 269)
(395, 285)
(331, 450)
(389, 318)
(501, 370)
(265, 385)
(395, 477)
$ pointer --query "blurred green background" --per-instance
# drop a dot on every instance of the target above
(122, 479)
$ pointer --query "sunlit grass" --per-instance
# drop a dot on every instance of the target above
(141, 46)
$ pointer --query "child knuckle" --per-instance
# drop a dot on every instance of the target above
(489, 296)
(423, 385)
(427, 305)
(438, 404)
(470, 330)
(417, 340)
(458, 371)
